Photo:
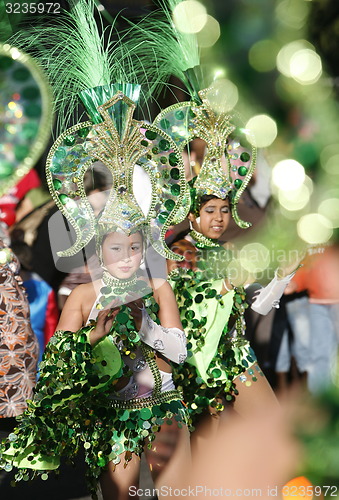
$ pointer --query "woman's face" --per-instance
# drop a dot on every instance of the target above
(214, 217)
(122, 254)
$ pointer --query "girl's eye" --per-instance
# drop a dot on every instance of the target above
(225, 210)
(135, 248)
(209, 210)
(115, 249)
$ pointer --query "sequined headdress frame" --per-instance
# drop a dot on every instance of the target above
(136, 143)
(83, 61)
(25, 114)
(227, 166)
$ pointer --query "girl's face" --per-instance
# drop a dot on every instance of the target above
(214, 217)
(122, 254)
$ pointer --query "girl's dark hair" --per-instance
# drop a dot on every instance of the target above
(202, 200)
(24, 253)
(205, 198)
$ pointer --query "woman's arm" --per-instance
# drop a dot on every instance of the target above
(168, 310)
(74, 312)
(168, 338)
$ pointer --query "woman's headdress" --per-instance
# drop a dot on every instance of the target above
(230, 159)
(136, 145)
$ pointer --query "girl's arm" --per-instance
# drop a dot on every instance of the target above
(168, 338)
(73, 314)
(168, 310)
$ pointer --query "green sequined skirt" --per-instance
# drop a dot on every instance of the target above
(111, 432)
(230, 362)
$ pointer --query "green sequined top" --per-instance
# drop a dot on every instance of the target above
(214, 324)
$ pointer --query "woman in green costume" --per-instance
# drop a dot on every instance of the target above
(221, 367)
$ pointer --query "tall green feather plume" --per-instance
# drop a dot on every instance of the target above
(76, 55)
(165, 50)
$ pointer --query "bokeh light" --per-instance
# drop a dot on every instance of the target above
(295, 199)
(330, 208)
(287, 52)
(329, 158)
(209, 33)
(189, 16)
(288, 175)
(223, 95)
(292, 14)
(298, 488)
(254, 257)
(263, 130)
(262, 55)
(305, 66)
(314, 229)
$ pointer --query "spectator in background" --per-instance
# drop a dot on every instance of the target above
(21, 199)
(319, 277)
(42, 300)
(97, 183)
(18, 344)
(34, 230)
(185, 248)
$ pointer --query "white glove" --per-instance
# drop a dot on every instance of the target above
(270, 295)
(170, 342)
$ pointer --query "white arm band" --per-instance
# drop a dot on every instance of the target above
(170, 342)
(270, 295)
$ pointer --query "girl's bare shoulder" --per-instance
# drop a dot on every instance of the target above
(87, 290)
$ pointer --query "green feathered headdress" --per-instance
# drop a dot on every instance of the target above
(78, 53)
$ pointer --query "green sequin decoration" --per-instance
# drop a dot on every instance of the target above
(164, 145)
(169, 204)
(242, 171)
(175, 189)
(164, 123)
(245, 157)
(173, 161)
(175, 173)
(149, 134)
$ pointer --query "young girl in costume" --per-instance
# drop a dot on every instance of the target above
(105, 383)
(144, 397)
